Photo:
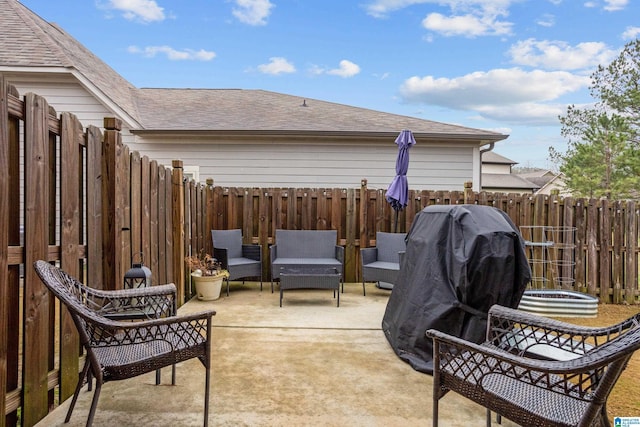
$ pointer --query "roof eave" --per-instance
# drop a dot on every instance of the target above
(479, 139)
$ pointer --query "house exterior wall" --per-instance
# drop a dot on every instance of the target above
(314, 164)
(496, 168)
(65, 94)
(326, 162)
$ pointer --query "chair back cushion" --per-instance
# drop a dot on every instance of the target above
(306, 243)
(389, 244)
(231, 240)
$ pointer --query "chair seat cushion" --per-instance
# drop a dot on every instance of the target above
(242, 261)
(383, 265)
(281, 262)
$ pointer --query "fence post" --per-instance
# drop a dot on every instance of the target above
(177, 186)
(468, 192)
(364, 223)
(112, 204)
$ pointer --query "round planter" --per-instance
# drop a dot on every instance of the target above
(207, 287)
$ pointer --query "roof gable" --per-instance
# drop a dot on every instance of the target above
(29, 41)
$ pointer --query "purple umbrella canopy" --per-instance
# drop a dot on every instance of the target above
(398, 191)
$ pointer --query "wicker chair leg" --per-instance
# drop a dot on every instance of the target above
(82, 375)
(488, 418)
(364, 291)
(206, 396)
(94, 403)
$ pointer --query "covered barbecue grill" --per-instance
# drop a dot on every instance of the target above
(460, 260)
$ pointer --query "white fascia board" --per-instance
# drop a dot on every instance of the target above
(130, 122)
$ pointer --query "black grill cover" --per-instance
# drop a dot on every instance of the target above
(460, 260)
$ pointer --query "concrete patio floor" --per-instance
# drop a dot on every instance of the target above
(308, 363)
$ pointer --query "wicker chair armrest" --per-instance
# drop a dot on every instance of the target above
(155, 301)
(474, 363)
(510, 327)
(166, 289)
(273, 252)
(106, 333)
(253, 252)
(368, 255)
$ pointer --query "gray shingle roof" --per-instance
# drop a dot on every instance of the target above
(240, 109)
(26, 40)
(503, 180)
(493, 157)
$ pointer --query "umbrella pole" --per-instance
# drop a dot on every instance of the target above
(396, 226)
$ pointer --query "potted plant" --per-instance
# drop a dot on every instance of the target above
(207, 275)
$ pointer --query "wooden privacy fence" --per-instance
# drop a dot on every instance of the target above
(593, 243)
(80, 198)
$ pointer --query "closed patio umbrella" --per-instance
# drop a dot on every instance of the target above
(398, 191)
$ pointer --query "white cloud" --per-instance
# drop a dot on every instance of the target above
(345, 69)
(139, 10)
(546, 20)
(381, 8)
(173, 54)
(470, 18)
(509, 95)
(613, 5)
(466, 25)
(276, 66)
(252, 12)
(631, 33)
(559, 55)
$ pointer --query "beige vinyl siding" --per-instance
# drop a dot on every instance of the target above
(313, 165)
(64, 94)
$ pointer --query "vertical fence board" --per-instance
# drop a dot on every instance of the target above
(605, 249)
(112, 210)
(350, 237)
(172, 274)
(618, 244)
(70, 183)
(5, 290)
(145, 209)
(631, 282)
(135, 212)
(94, 207)
(12, 288)
(580, 271)
(36, 298)
(154, 237)
(592, 248)
(177, 219)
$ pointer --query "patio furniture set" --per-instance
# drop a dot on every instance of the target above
(530, 369)
(307, 259)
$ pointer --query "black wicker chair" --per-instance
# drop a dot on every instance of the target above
(240, 260)
(117, 350)
(506, 374)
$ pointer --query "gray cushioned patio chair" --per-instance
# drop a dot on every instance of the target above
(117, 350)
(382, 263)
(501, 376)
(240, 260)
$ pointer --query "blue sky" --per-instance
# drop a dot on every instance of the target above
(510, 66)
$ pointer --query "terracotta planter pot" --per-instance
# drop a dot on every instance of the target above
(208, 287)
